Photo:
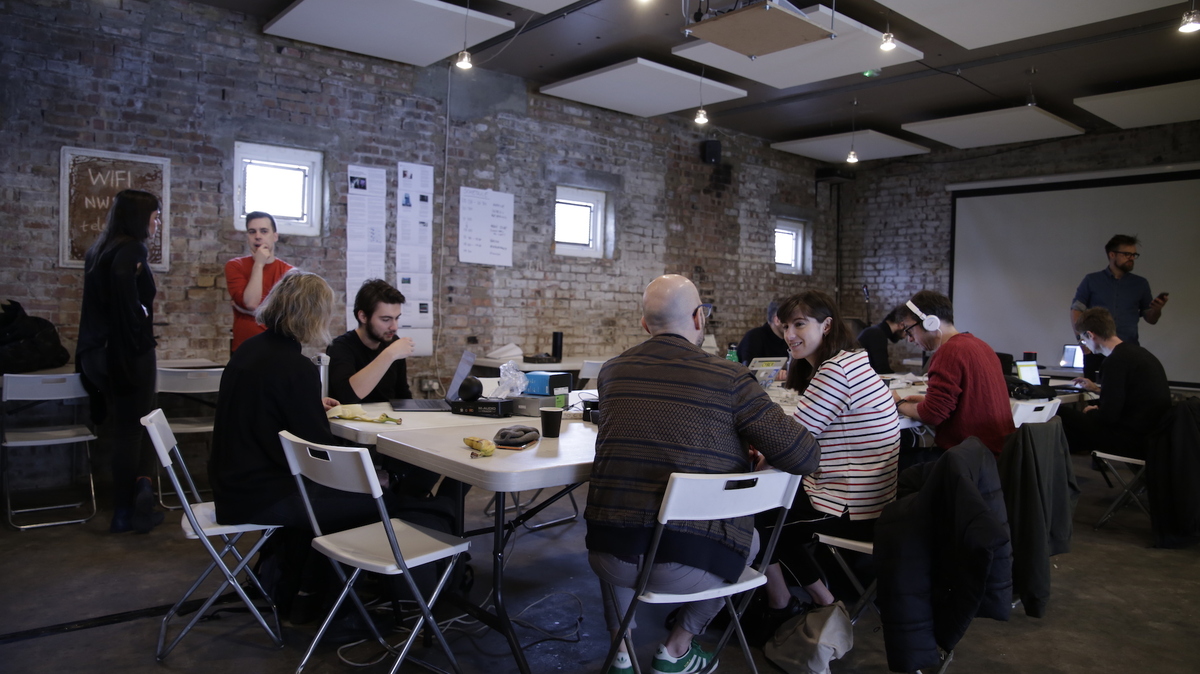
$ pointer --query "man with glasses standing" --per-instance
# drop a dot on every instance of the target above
(1116, 288)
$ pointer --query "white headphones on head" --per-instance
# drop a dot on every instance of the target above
(930, 322)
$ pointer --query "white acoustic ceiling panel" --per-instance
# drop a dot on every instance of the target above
(854, 50)
(418, 32)
(540, 6)
(867, 145)
(1166, 104)
(979, 23)
(642, 88)
(997, 127)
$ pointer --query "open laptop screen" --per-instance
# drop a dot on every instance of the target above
(1027, 370)
(1072, 356)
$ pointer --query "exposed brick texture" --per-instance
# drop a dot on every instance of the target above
(184, 81)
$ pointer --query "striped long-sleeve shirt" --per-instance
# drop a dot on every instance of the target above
(851, 411)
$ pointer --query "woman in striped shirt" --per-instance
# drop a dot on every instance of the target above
(850, 410)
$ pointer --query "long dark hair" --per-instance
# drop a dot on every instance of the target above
(817, 306)
(128, 219)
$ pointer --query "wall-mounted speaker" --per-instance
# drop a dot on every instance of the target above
(710, 151)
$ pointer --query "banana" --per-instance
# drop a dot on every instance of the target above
(481, 446)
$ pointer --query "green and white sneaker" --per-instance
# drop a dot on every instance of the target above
(622, 665)
(695, 660)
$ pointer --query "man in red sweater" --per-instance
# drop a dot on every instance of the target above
(966, 394)
(250, 278)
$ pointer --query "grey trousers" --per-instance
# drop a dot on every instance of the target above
(667, 577)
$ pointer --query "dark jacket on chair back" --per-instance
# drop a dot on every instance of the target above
(943, 556)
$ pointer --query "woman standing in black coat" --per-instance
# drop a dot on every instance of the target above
(116, 348)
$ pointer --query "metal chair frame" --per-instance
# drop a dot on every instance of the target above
(200, 522)
(351, 469)
(703, 497)
(186, 383)
(35, 390)
(1129, 489)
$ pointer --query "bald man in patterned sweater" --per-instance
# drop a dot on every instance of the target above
(667, 406)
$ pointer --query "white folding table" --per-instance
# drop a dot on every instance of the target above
(365, 432)
(564, 462)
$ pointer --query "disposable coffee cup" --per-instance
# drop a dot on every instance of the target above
(551, 421)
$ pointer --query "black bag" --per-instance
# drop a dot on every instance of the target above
(1019, 389)
(27, 343)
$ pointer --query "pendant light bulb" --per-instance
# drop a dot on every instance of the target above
(889, 42)
(1191, 22)
(701, 116)
(852, 158)
(464, 60)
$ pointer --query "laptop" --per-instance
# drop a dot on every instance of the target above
(766, 369)
(1027, 371)
(433, 404)
(1072, 356)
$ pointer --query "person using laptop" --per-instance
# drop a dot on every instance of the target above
(967, 394)
(1133, 388)
(369, 363)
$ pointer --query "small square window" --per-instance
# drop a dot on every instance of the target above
(580, 221)
(284, 182)
(793, 247)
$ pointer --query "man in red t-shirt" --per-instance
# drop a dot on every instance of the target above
(251, 278)
(966, 394)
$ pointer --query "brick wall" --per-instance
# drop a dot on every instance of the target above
(897, 214)
(184, 81)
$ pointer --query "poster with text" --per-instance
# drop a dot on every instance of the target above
(366, 233)
(485, 227)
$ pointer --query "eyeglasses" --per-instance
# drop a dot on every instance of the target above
(1131, 256)
(908, 330)
(706, 309)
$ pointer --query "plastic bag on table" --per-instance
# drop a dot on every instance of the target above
(512, 381)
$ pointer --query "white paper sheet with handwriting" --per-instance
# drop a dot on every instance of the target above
(485, 227)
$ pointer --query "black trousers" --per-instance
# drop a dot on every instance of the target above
(802, 523)
(1086, 434)
(132, 455)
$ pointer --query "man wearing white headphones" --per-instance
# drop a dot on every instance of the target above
(966, 394)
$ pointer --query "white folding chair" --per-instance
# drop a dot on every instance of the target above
(35, 390)
(702, 497)
(188, 383)
(389, 550)
(201, 517)
(1130, 489)
(866, 595)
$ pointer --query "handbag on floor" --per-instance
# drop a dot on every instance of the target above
(807, 643)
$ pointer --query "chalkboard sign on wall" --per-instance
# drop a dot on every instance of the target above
(88, 181)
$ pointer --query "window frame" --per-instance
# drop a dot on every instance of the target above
(802, 230)
(311, 160)
(601, 224)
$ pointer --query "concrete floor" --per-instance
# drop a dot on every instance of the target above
(1117, 606)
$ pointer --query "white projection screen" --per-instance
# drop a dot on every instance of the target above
(1020, 253)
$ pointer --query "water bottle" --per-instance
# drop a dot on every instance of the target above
(731, 354)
